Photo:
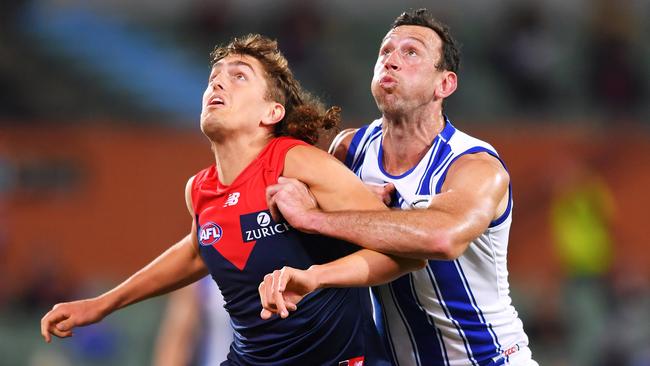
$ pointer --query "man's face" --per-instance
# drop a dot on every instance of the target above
(405, 74)
(235, 98)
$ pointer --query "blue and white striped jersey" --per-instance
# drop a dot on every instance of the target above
(450, 312)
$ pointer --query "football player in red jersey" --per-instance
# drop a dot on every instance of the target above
(261, 125)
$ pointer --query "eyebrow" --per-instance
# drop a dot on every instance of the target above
(409, 37)
(218, 65)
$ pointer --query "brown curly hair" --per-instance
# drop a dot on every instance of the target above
(305, 116)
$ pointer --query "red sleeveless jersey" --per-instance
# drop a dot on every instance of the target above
(240, 243)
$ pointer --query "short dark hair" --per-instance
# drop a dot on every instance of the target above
(305, 116)
(450, 59)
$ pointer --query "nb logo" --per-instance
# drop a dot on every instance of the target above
(232, 199)
(263, 219)
(210, 233)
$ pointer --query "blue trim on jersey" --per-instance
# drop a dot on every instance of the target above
(446, 154)
(428, 349)
(374, 134)
(447, 314)
(475, 150)
(495, 339)
(442, 343)
(352, 149)
(448, 131)
(380, 321)
(454, 293)
(505, 214)
(380, 163)
(397, 202)
(407, 325)
(430, 166)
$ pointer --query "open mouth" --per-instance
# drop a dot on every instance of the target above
(216, 101)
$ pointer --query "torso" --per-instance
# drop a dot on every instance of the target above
(451, 312)
(240, 243)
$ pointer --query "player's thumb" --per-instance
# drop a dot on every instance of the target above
(65, 325)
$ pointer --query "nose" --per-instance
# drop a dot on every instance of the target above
(392, 61)
(217, 82)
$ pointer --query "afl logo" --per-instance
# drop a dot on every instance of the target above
(263, 219)
(210, 234)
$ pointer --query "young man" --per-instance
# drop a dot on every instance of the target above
(251, 105)
(456, 209)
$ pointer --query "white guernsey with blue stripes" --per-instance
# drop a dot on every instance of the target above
(450, 312)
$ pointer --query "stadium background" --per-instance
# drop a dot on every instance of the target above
(99, 107)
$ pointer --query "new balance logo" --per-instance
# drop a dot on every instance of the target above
(232, 199)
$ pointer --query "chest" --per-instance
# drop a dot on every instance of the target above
(415, 187)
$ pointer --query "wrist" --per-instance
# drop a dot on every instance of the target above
(316, 273)
(106, 303)
(314, 221)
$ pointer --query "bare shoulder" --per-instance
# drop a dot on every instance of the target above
(341, 143)
(188, 195)
(481, 168)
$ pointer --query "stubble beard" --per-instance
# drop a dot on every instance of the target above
(389, 105)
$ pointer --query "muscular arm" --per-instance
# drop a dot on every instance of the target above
(175, 268)
(474, 193)
(335, 188)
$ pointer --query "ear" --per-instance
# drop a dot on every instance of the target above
(274, 114)
(448, 85)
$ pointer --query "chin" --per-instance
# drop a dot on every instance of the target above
(388, 104)
(210, 127)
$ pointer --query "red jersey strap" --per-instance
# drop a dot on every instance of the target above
(199, 179)
(274, 156)
(271, 159)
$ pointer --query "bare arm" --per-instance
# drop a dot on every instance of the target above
(337, 189)
(334, 188)
(175, 268)
(474, 193)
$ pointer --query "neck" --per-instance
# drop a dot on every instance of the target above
(407, 138)
(233, 155)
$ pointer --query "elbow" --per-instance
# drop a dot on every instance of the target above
(445, 246)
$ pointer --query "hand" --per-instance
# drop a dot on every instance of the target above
(65, 316)
(383, 191)
(291, 199)
(282, 290)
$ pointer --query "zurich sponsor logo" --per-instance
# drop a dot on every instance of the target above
(265, 228)
(210, 233)
(263, 219)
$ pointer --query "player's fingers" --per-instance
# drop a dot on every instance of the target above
(60, 333)
(265, 314)
(44, 331)
(291, 306)
(387, 194)
(48, 321)
(270, 299)
(271, 191)
(262, 289)
(278, 286)
(65, 325)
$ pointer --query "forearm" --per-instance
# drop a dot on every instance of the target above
(178, 266)
(411, 234)
(363, 268)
